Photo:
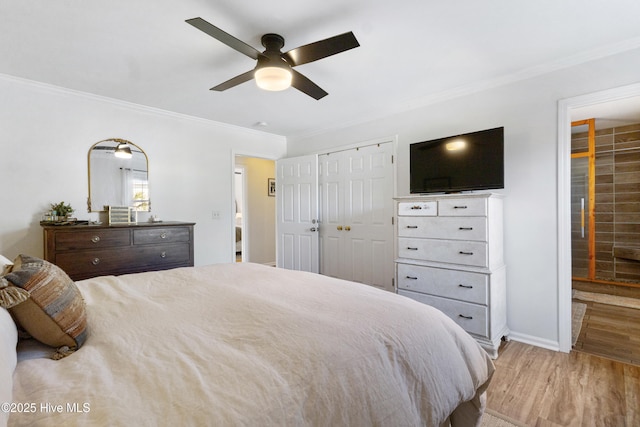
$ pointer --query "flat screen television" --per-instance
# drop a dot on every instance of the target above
(467, 162)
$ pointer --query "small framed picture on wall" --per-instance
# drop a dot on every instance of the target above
(271, 187)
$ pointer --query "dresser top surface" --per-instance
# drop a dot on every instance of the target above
(75, 227)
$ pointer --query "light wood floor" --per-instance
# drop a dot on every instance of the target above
(546, 388)
(607, 330)
(611, 331)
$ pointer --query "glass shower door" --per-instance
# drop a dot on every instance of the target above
(583, 258)
(580, 217)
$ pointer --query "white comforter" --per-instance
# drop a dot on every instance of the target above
(249, 345)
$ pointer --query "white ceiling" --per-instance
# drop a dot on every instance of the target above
(412, 53)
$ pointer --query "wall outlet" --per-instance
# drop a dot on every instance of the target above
(215, 214)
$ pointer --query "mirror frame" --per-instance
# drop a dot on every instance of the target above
(119, 141)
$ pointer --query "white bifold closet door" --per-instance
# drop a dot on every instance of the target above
(356, 211)
(297, 214)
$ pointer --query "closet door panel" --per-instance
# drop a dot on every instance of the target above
(357, 208)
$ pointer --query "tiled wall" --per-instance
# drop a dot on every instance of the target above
(617, 202)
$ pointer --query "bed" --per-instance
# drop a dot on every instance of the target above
(244, 345)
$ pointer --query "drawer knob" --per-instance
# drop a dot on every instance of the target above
(465, 317)
(163, 235)
(412, 278)
(412, 226)
(412, 249)
(465, 286)
(163, 254)
(95, 239)
(465, 253)
(95, 261)
(459, 207)
(339, 228)
(416, 207)
(466, 228)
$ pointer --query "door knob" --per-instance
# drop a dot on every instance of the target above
(348, 228)
(339, 228)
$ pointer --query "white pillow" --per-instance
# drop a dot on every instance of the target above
(5, 265)
(8, 360)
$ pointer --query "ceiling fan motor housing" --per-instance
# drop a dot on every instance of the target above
(272, 42)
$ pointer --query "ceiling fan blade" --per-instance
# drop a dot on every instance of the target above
(321, 49)
(244, 77)
(303, 84)
(224, 37)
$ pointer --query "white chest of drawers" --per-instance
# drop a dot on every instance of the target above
(449, 254)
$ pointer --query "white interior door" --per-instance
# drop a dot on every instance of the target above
(356, 199)
(331, 194)
(297, 213)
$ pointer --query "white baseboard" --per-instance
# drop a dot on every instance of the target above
(535, 341)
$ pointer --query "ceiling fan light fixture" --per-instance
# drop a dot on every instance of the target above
(123, 151)
(273, 78)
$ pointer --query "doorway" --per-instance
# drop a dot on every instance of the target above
(239, 191)
(622, 105)
(253, 210)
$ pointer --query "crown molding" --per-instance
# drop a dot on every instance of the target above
(47, 87)
(481, 86)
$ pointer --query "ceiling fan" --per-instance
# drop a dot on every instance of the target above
(274, 70)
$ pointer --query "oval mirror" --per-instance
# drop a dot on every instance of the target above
(118, 176)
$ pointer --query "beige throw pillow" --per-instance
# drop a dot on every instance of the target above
(54, 313)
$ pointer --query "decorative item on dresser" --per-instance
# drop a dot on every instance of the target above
(85, 251)
(450, 255)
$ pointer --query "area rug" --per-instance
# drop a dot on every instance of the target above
(606, 299)
(494, 419)
(578, 310)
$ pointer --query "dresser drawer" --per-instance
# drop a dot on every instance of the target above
(454, 228)
(459, 285)
(91, 239)
(462, 207)
(471, 317)
(426, 208)
(99, 262)
(447, 251)
(157, 256)
(160, 235)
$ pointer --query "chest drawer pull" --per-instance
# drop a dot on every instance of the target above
(465, 253)
(460, 207)
(466, 228)
(412, 249)
(163, 254)
(465, 286)
(163, 235)
(412, 278)
(412, 226)
(95, 261)
(95, 239)
(416, 207)
(465, 317)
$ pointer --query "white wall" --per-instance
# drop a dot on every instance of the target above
(528, 111)
(46, 133)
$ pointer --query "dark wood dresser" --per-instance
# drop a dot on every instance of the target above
(85, 251)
